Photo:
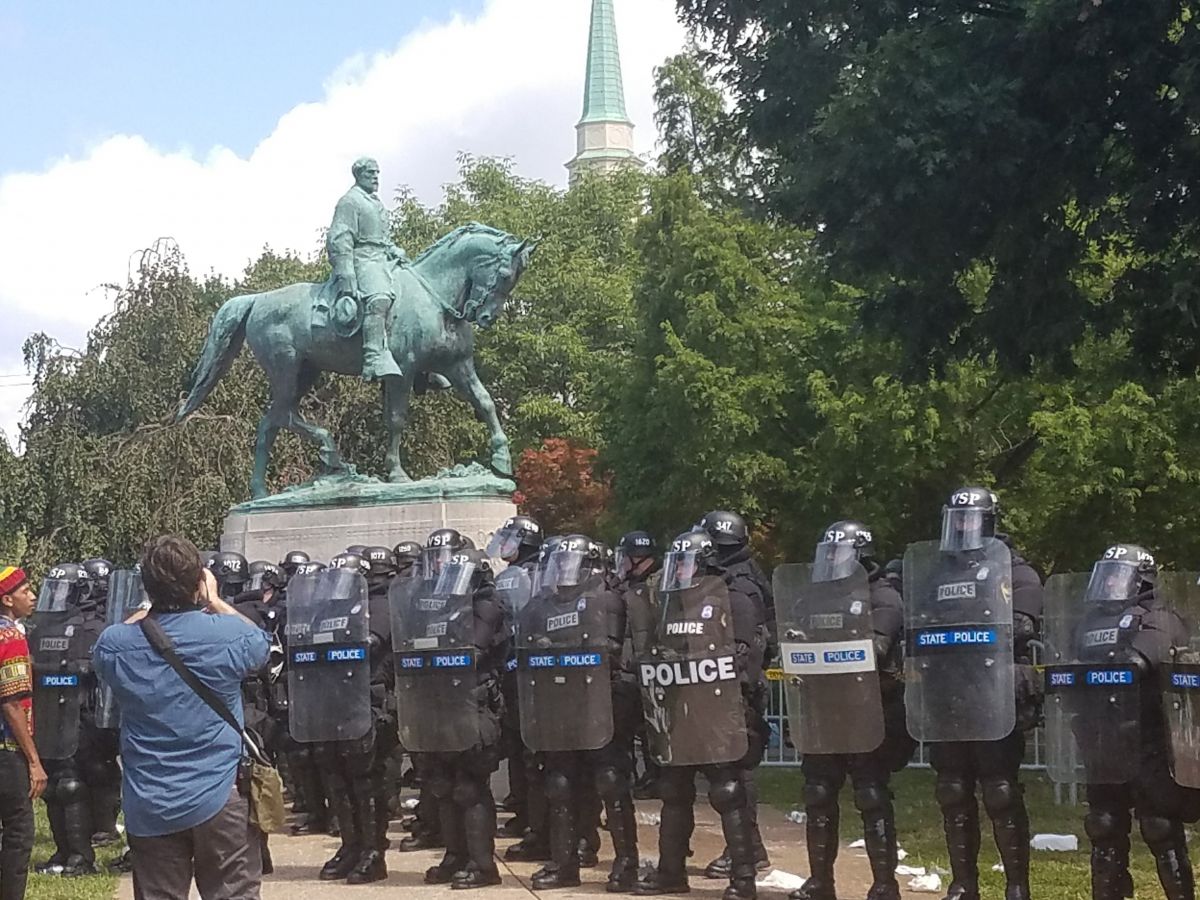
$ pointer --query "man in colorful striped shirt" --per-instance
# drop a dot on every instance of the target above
(22, 778)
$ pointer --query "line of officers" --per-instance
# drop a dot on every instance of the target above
(568, 658)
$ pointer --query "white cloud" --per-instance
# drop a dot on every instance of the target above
(506, 83)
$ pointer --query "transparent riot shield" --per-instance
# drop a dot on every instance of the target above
(564, 679)
(685, 655)
(958, 667)
(827, 647)
(126, 595)
(1092, 703)
(329, 665)
(1180, 675)
(58, 651)
(435, 655)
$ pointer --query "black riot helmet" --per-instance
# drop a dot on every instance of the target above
(1121, 574)
(312, 567)
(206, 558)
(840, 549)
(689, 559)
(381, 561)
(464, 572)
(66, 586)
(568, 561)
(262, 574)
(405, 555)
(632, 548)
(727, 529)
(356, 549)
(969, 518)
(439, 547)
(351, 562)
(98, 569)
(517, 533)
(293, 559)
(229, 568)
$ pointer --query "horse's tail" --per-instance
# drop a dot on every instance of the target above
(225, 338)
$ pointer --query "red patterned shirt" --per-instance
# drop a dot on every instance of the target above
(16, 678)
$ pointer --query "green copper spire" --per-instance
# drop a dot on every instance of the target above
(603, 92)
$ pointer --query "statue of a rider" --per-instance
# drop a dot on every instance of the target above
(363, 256)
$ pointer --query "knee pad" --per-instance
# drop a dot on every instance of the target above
(1158, 830)
(819, 793)
(71, 789)
(467, 792)
(677, 787)
(1000, 795)
(557, 787)
(726, 796)
(610, 782)
(951, 791)
(1101, 825)
(871, 797)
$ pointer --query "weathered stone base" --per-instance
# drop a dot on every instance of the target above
(327, 531)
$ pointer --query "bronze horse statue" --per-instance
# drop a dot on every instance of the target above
(464, 279)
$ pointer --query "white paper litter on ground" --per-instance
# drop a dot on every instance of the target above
(998, 867)
(901, 853)
(781, 880)
(1054, 842)
(410, 803)
(797, 817)
(910, 870)
(857, 845)
(926, 884)
(647, 818)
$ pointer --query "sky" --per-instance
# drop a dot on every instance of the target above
(229, 126)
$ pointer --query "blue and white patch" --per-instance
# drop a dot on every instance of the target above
(356, 609)
(982, 574)
(1126, 621)
(856, 608)
(69, 630)
(706, 613)
(581, 604)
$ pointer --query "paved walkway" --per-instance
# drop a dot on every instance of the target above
(298, 859)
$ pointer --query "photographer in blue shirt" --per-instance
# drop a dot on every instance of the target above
(186, 813)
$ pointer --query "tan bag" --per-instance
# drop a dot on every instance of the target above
(267, 810)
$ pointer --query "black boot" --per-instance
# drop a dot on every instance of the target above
(821, 835)
(420, 840)
(961, 826)
(455, 859)
(1011, 831)
(721, 867)
(674, 835)
(563, 870)
(622, 826)
(879, 832)
(343, 862)
(738, 826)
(479, 826)
(371, 867)
(77, 828)
(1107, 869)
(1169, 846)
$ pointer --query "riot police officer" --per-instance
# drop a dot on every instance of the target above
(578, 707)
(451, 643)
(229, 568)
(98, 761)
(517, 542)
(381, 569)
(700, 648)
(972, 610)
(744, 575)
(329, 691)
(846, 608)
(634, 562)
(1106, 640)
(62, 631)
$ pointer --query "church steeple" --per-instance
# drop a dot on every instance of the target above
(604, 135)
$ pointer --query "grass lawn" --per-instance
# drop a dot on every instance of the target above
(1053, 875)
(49, 887)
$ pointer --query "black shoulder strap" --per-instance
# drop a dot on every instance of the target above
(161, 644)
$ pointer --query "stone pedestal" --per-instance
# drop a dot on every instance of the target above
(325, 517)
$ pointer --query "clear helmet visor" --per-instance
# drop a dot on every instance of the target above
(834, 560)
(562, 568)
(55, 595)
(505, 544)
(623, 562)
(1113, 580)
(257, 582)
(340, 584)
(963, 529)
(454, 579)
(433, 559)
(681, 570)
